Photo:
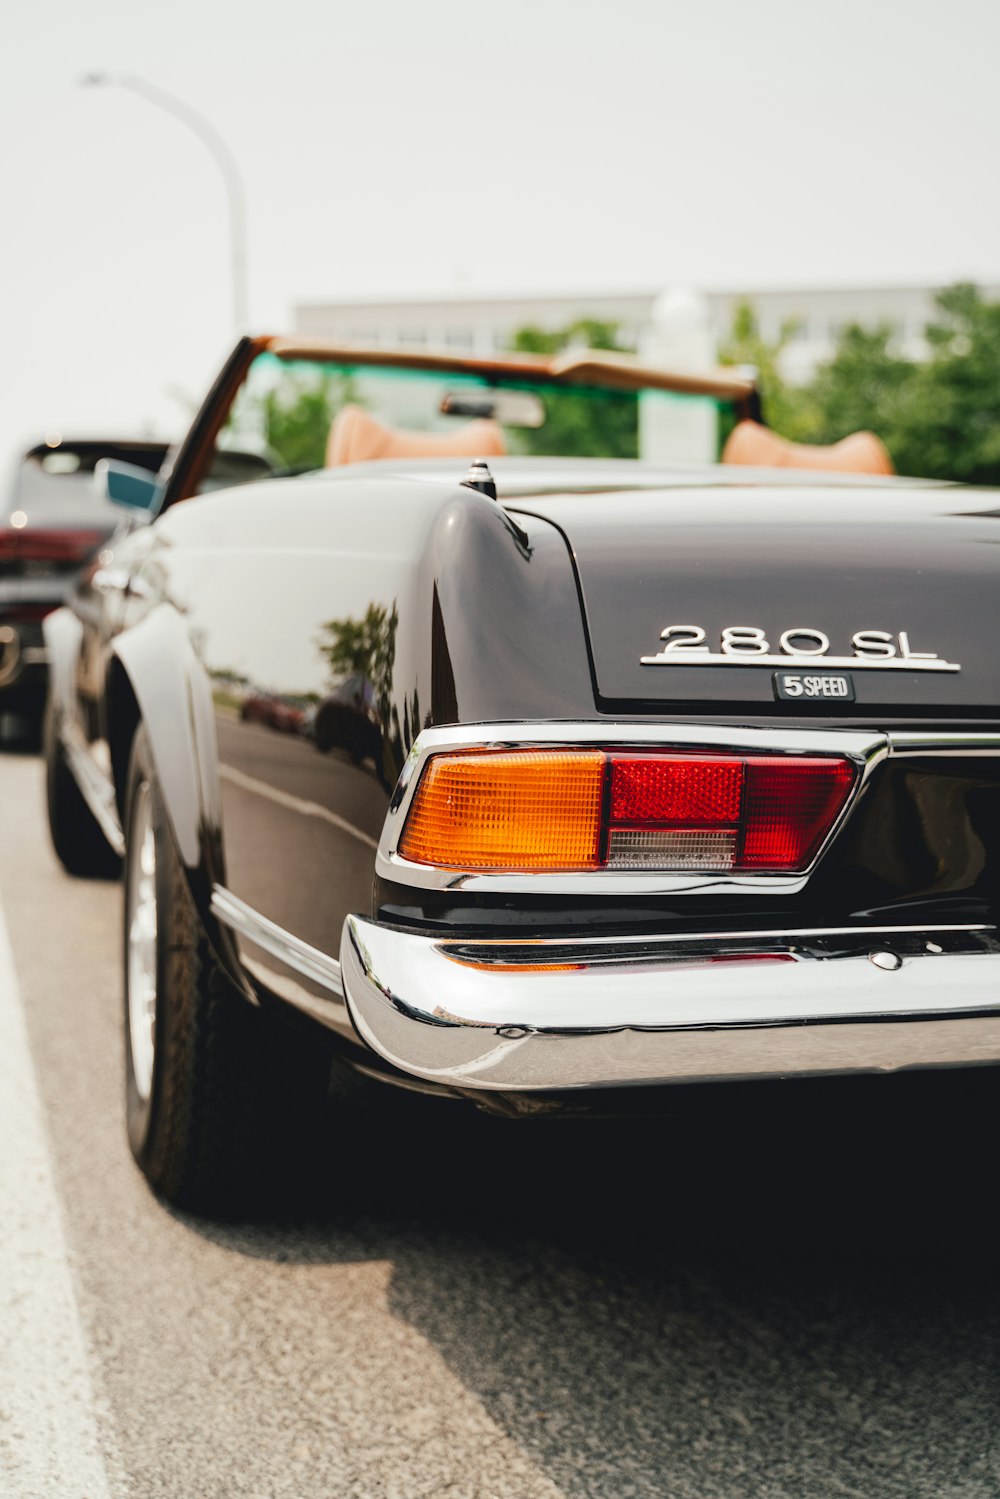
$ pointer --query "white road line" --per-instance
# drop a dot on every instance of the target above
(48, 1431)
(294, 803)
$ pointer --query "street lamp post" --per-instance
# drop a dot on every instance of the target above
(224, 160)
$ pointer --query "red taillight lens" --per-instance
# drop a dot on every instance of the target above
(625, 810)
(699, 812)
(790, 806)
(644, 789)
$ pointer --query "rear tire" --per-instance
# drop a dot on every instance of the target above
(213, 1086)
(80, 845)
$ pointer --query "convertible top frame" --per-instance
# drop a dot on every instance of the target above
(186, 468)
(572, 366)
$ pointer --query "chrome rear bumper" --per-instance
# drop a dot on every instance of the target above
(17, 657)
(549, 1014)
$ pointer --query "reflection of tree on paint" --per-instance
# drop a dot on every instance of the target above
(362, 648)
(402, 739)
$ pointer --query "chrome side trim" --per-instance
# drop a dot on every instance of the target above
(545, 1018)
(909, 742)
(865, 749)
(328, 1009)
(271, 938)
(97, 790)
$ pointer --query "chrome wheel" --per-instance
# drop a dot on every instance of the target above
(140, 896)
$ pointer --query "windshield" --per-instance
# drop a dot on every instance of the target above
(298, 415)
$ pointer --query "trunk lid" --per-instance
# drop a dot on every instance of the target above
(915, 562)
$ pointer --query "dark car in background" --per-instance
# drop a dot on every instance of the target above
(53, 519)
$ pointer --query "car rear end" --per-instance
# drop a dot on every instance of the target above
(771, 847)
(52, 522)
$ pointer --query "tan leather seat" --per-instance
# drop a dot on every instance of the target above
(356, 437)
(754, 445)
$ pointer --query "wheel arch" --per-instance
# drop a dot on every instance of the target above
(62, 633)
(155, 678)
(123, 718)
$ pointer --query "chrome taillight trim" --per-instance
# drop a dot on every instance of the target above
(865, 750)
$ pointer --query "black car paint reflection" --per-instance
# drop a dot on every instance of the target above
(349, 719)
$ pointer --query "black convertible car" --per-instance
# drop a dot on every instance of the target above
(673, 774)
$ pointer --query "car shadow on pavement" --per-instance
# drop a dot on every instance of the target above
(768, 1290)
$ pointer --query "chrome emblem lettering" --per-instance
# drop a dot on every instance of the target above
(747, 645)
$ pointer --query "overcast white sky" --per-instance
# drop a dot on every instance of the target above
(394, 147)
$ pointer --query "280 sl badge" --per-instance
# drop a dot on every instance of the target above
(746, 645)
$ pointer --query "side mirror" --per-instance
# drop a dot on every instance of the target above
(128, 485)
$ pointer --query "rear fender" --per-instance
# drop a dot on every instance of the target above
(507, 638)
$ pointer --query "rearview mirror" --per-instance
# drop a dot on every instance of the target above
(127, 484)
(511, 408)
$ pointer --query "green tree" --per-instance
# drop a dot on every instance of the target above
(787, 408)
(863, 387)
(297, 415)
(939, 418)
(582, 423)
(951, 426)
(589, 333)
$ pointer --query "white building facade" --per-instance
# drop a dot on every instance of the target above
(486, 325)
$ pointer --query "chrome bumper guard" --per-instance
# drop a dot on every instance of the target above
(547, 1014)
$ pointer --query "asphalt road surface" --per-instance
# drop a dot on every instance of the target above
(766, 1292)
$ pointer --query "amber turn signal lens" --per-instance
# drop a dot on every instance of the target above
(521, 811)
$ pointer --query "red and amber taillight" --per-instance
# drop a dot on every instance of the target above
(541, 809)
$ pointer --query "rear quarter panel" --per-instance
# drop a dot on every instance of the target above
(448, 610)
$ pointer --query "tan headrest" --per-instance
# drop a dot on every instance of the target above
(754, 445)
(356, 437)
